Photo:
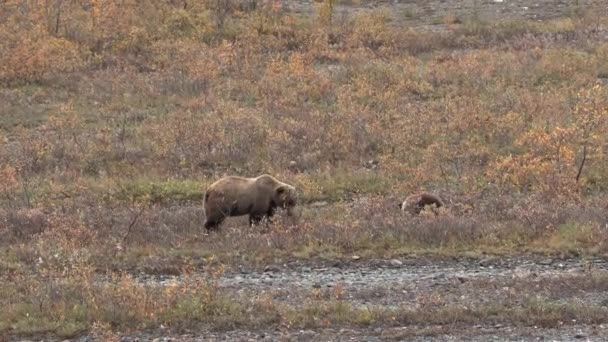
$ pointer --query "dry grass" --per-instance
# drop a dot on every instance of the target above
(77, 303)
(114, 119)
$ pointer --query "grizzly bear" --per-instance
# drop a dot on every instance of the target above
(257, 197)
(415, 203)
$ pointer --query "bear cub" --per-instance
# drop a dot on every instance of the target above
(415, 203)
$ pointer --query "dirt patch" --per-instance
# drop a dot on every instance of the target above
(435, 333)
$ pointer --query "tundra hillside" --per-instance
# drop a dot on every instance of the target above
(115, 117)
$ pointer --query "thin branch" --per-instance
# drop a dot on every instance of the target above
(58, 16)
(580, 168)
(444, 176)
(141, 210)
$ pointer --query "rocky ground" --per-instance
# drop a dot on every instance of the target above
(416, 283)
(478, 333)
(396, 282)
(430, 14)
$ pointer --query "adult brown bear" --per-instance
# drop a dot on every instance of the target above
(257, 197)
(415, 203)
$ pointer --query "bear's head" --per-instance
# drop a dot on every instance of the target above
(285, 196)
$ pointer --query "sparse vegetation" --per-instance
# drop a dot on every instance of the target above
(115, 116)
(78, 302)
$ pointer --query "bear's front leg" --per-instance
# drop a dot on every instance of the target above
(255, 219)
(210, 225)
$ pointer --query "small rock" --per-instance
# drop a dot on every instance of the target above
(355, 257)
(372, 164)
(319, 204)
(580, 335)
(545, 262)
(396, 263)
(462, 279)
(293, 166)
(487, 261)
(521, 272)
(306, 335)
(272, 268)
(332, 67)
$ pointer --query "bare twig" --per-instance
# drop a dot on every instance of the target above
(580, 168)
(58, 16)
(141, 210)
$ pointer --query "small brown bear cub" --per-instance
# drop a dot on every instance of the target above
(257, 197)
(415, 203)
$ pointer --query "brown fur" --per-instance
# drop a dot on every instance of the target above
(415, 203)
(257, 197)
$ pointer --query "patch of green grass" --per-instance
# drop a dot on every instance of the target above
(25, 319)
(408, 13)
(499, 31)
(161, 191)
(344, 185)
(336, 187)
(572, 237)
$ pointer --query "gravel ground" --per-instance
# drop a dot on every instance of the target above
(430, 14)
(479, 333)
(410, 333)
(412, 283)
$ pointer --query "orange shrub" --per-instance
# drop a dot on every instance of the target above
(33, 60)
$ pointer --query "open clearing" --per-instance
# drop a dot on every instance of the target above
(421, 283)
